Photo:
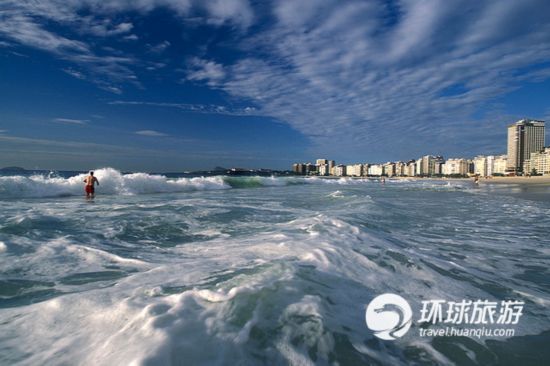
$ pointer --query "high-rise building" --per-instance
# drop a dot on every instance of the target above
(429, 165)
(411, 168)
(298, 168)
(480, 165)
(321, 162)
(499, 165)
(455, 167)
(340, 170)
(438, 165)
(366, 169)
(538, 163)
(376, 169)
(354, 170)
(418, 167)
(490, 165)
(389, 169)
(311, 169)
(524, 137)
(400, 169)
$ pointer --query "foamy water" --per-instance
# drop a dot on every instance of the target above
(259, 270)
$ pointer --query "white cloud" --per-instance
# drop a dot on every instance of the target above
(74, 73)
(359, 75)
(335, 71)
(236, 11)
(71, 121)
(196, 108)
(153, 66)
(159, 48)
(23, 29)
(103, 27)
(111, 89)
(29, 23)
(150, 133)
(204, 70)
(130, 37)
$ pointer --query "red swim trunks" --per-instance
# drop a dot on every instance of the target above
(90, 189)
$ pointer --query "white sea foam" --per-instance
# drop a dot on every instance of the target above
(111, 182)
(221, 279)
(336, 194)
(3, 247)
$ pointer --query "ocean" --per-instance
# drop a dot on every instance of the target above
(263, 270)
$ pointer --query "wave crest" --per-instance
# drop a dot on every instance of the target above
(111, 182)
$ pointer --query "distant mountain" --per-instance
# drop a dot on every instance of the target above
(12, 169)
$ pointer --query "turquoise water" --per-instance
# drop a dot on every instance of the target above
(255, 270)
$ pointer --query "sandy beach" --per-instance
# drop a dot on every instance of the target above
(539, 180)
(542, 180)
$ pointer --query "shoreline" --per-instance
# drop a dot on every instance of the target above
(535, 180)
(538, 180)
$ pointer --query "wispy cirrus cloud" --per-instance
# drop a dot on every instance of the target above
(196, 108)
(30, 23)
(160, 47)
(205, 70)
(362, 75)
(71, 121)
(24, 27)
(75, 73)
(151, 133)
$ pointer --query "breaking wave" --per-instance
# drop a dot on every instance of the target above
(111, 181)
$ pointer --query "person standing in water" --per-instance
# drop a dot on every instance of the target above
(90, 181)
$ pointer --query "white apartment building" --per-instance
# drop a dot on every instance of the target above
(418, 167)
(499, 164)
(376, 169)
(389, 169)
(490, 165)
(429, 165)
(480, 165)
(365, 169)
(455, 166)
(340, 170)
(524, 137)
(540, 161)
(411, 169)
(354, 170)
(400, 169)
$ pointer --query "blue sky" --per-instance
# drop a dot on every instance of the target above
(172, 85)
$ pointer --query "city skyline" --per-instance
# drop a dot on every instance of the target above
(525, 147)
(188, 85)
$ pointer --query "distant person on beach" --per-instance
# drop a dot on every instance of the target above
(90, 181)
